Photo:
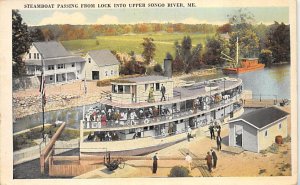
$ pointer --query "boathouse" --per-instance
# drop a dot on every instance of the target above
(101, 65)
(257, 130)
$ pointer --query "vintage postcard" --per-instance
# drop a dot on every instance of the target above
(146, 91)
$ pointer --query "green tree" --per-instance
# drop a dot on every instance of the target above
(179, 171)
(20, 43)
(242, 28)
(214, 47)
(186, 56)
(37, 35)
(265, 57)
(149, 50)
(278, 41)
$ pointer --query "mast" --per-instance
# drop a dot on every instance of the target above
(85, 91)
(237, 52)
(43, 97)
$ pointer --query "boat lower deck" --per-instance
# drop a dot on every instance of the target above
(144, 145)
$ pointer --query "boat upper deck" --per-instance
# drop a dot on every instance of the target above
(179, 94)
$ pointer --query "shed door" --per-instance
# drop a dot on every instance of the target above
(95, 75)
(238, 135)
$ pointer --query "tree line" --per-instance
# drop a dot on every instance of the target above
(72, 32)
(270, 43)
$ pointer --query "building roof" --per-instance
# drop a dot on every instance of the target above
(262, 117)
(51, 49)
(145, 79)
(103, 58)
(53, 53)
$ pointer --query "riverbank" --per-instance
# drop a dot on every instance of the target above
(60, 96)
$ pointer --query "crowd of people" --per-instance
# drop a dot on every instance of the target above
(97, 118)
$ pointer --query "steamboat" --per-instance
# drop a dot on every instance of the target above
(147, 113)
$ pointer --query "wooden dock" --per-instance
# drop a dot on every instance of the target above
(259, 103)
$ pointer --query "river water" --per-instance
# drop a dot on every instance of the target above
(268, 83)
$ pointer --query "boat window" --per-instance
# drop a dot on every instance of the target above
(145, 128)
(114, 89)
(157, 86)
(120, 88)
(127, 89)
(131, 131)
(151, 128)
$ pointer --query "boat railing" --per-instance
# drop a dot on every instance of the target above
(144, 99)
(145, 121)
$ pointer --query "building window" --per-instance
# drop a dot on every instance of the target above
(29, 56)
(106, 74)
(131, 131)
(127, 89)
(157, 86)
(266, 133)
(34, 55)
(73, 64)
(279, 125)
(114, 89)
(89, 60)
(51, 77)
(51, 67)
(37, 56)
(112, 72)
(60, 66)
(120, 89)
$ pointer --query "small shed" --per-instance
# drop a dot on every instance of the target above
(257, 130)
(101, 65)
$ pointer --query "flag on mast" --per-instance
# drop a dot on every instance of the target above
(42, 89)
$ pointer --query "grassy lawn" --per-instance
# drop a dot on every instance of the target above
(126, 43)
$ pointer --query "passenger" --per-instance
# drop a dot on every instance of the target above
(208, 159)
(154, 166)
(132, 117)
(219, 129)
(163, 92)
(103, 120)
(211, 130)
(189, 160)
(214, 157)
(219, 143)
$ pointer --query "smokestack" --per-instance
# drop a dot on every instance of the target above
(168, 67)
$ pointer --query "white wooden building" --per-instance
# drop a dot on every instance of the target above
(59, 65)
(101, 65)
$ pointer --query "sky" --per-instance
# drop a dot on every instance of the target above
(210, 15)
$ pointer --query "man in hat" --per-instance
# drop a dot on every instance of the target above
(214, 157)
(219, 142)
(154, 167)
